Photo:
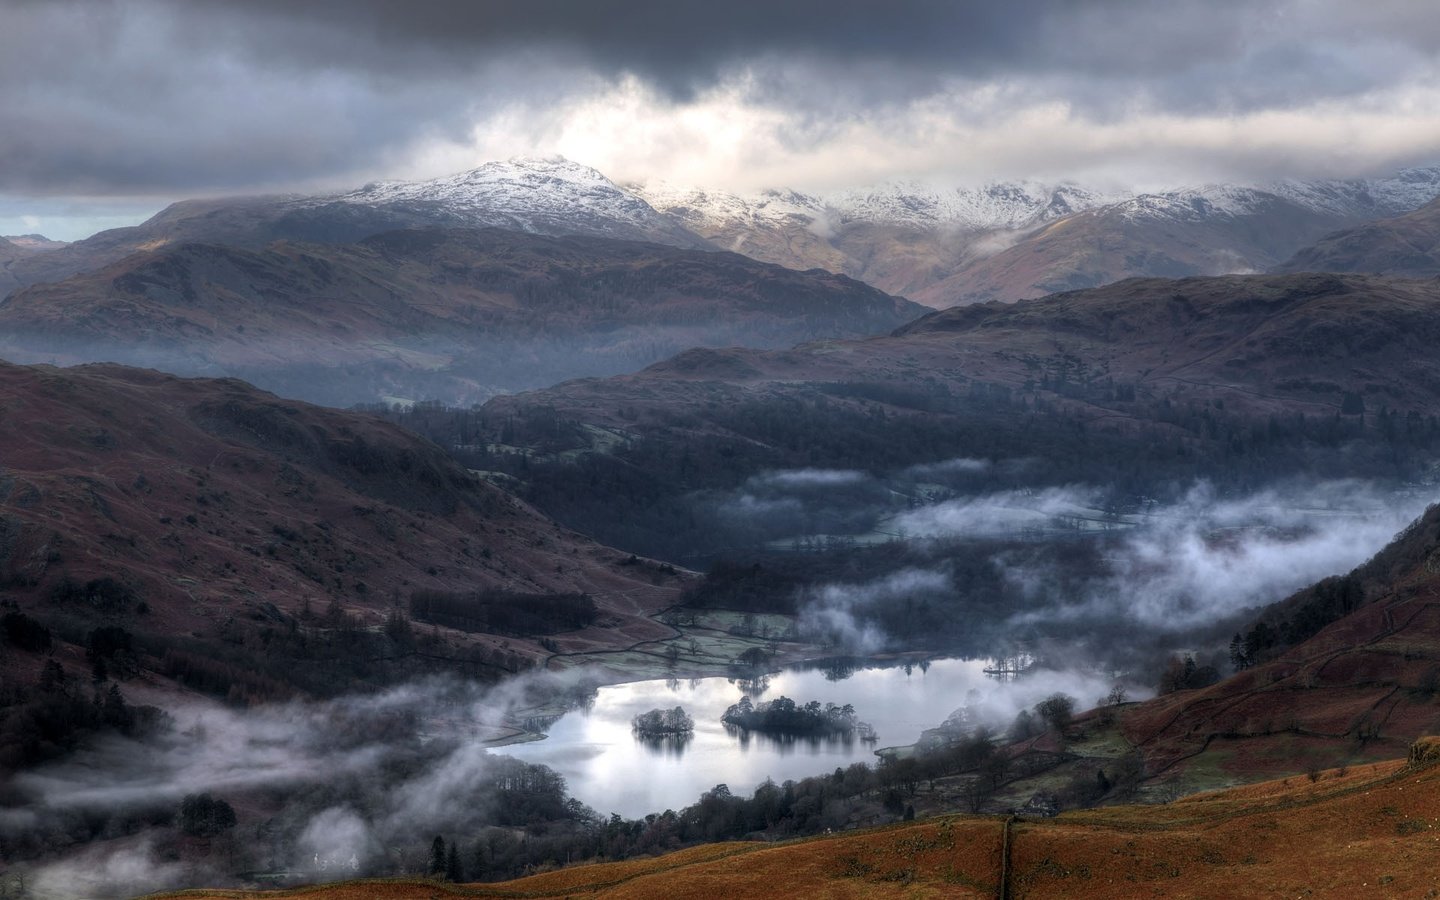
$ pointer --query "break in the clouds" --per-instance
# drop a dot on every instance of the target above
(163, 98)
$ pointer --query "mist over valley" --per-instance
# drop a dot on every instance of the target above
(692, 450)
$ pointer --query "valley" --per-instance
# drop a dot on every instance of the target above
(839, 507)
(694, 450)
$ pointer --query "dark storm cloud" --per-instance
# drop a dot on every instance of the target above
(685, 43)
(156, 96)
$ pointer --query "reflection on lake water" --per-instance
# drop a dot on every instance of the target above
(608, 768)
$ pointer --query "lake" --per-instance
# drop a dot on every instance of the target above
(610, 770)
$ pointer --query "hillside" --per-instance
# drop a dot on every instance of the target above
(1168, 236)
(1404, 245)
(455, 314)
(1256, 340)
(1342, 672)
(200, 514)
(1373, 826)
(1141, 385)
(11, 253)
(36, 242)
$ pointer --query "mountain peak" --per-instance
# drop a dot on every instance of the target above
(539, 195)
(31, 241)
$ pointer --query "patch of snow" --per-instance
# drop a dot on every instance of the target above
(541, 196)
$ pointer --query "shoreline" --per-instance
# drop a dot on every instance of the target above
(614, 676)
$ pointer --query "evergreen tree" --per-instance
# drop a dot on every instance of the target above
(202, 815)
(437, 856)
(478, 861)
(52, 676)
(453, 870)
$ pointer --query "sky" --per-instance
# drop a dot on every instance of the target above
(111, 108)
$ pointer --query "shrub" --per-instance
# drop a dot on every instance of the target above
(202, 815)
(24, 632)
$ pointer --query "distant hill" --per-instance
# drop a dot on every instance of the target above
(451, 314)
(34, 242)
(1404, 245)
(1146, 383)
(1296, 342)
(10, 254)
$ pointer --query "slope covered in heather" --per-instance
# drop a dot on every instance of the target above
(200, 513)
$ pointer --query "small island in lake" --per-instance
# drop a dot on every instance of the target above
(663, 723)
(783, 716)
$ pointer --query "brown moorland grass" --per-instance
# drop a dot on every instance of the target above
(1371, 829)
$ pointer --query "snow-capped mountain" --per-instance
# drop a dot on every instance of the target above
(907, 204)
(937, 244)
(993, 207)
(713, 207)
(1395, 194)
(1352, 200)
(551, 197)
(1024, 204)
(943, 245)
(538, 196)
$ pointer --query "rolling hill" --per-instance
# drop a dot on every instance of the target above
(455, 314)
(1146, 383)
(1406, 245)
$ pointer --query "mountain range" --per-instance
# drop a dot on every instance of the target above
(940, 246)
(944, 247)
(255, 548)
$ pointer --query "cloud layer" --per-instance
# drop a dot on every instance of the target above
(160, 98)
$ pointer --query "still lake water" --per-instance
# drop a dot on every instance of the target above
(608, 769)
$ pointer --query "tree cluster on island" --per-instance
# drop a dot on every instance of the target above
(784, 716)
(663, 723)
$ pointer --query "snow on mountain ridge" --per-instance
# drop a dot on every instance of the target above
(554, 195)
(1399, 193)
(998, 206)
(699, 207)
(550, 195)
(1009, 206)
(518, 187)
(1348, 199)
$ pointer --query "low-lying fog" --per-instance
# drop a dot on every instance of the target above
(1064, 563)
(357, 777)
